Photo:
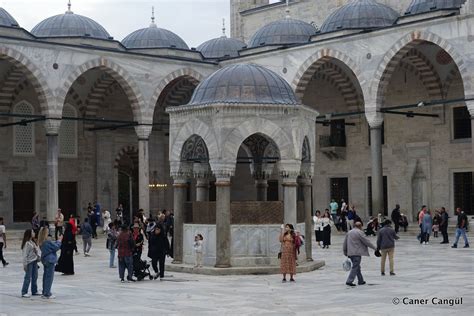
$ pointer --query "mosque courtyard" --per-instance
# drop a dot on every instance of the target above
(424, 273)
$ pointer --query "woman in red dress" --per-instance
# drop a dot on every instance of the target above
(288, 252)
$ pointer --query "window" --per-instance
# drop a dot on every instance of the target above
(338, 133)
(339, 189)
(385, 196)
(383, 134)
(23, 201)
(461, 123)
(272, 190)
(68, 134)
(464, 191)
(23, 135)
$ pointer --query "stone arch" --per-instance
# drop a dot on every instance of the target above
(314, 63)
(125, 80)
(194, 148)
(35, 76)
(253, 126)
(130, 151)
(392, 58)
(194, 127)
(188, 73)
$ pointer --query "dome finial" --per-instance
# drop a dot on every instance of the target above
(153, 24)
(69, 8)
(287, 9)
(223, 28)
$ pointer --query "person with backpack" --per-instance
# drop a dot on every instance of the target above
(125, 246)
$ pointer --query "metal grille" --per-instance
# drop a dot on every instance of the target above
(68, 134)
(23, 135)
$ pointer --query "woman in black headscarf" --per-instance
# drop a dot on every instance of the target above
(66, 262)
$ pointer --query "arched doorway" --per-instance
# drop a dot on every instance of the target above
(127, 169)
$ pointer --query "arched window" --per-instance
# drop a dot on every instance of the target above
(23, 135)
(68, 134)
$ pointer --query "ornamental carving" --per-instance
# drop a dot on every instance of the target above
(262, 148)
(306, 153)
(195, 149)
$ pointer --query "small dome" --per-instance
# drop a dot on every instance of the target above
(221, 47)
(153, 37)
(360, 14)
(70, 25)
(285, 31)
(422, 6)
(244, 83)
(6, 19)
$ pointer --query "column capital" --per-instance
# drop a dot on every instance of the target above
(143, 131)
(374, 118)
(470, 107)
(305, 181)
(223, 171)
(52, 126)
(289, 170)
(202, 171)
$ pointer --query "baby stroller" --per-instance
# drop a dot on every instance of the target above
(141, 269)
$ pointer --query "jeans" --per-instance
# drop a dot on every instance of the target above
(48, 277)
(1, 254)
(87, 244)
(461, 232)
(58, 231)
(425, 237)
(125, 262)
(385, 252)
(31, 274)
(355, 271)
(161, 260)
(112, 257)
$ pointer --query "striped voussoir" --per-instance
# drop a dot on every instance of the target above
(127, 151)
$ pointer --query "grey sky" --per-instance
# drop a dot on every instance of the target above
(194, 20)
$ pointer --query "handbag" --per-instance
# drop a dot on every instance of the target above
(347, 265)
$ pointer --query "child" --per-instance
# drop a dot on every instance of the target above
(198, 249)
(3, 242)
(31, 255)
(435, 227)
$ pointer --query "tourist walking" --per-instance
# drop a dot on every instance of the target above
(31, 255)
(198, 241)
(73, 222)
(426, 227)
(158, 248)
(443, 225)
(461, 228)
(49, 259)
(107, 220)
(58, 224)
(288, 252)
(3, 242)
(350, 217)
(87, 233)
(125, 246)
(326, 225)
(111, 244)
(66, 261)
(92, 219)
(386, 244)
(396, 214)
(318, 227)
(98, 215)
(355, 246)
(333, 206)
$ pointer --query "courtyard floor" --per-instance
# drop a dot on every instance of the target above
(423, 272)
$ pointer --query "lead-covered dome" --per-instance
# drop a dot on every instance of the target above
(153, 37)
(246, 84)
(70, 25)
(221, 47)
(360, 15)
(423, 6)
(6, 19)
(285, 31)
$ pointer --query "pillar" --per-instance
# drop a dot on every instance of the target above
(470, 107)
(223, 236)
(202, 189)
(290, 187)
(143, 132)
(308, 220)
(262, 187)
(179, 192)
(377, 169)
(52, 177)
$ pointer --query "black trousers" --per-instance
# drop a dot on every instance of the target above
(161, 261)
(1, 253)
(58, 230)
(94, 231)
(397, 225)
(444, 232)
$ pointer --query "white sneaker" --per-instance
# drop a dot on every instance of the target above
(25, 296)
(51, 297)
(427, 243)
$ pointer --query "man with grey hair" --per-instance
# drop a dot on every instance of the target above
(355, 246)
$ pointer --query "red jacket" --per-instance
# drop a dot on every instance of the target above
(72, 221)
(125, 245)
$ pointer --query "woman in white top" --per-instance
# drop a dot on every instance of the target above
(31, 254)
(318, 227)
(107, 220)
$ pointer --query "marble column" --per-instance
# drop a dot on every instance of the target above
(143, 132)
(179, 191)
(202, 189)
(52, 175)
(223, 235)
(377, 169)
(470, 107)
(290, 187)
(308, 220)
(262, 187)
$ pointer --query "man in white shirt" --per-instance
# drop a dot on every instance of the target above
(3, 242)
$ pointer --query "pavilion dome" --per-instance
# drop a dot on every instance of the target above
(360, 15)
(153, 37)
(423, 6)
(6, 19)
(245, 84)
(221, 47)
(284, 31)
(70, 25)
